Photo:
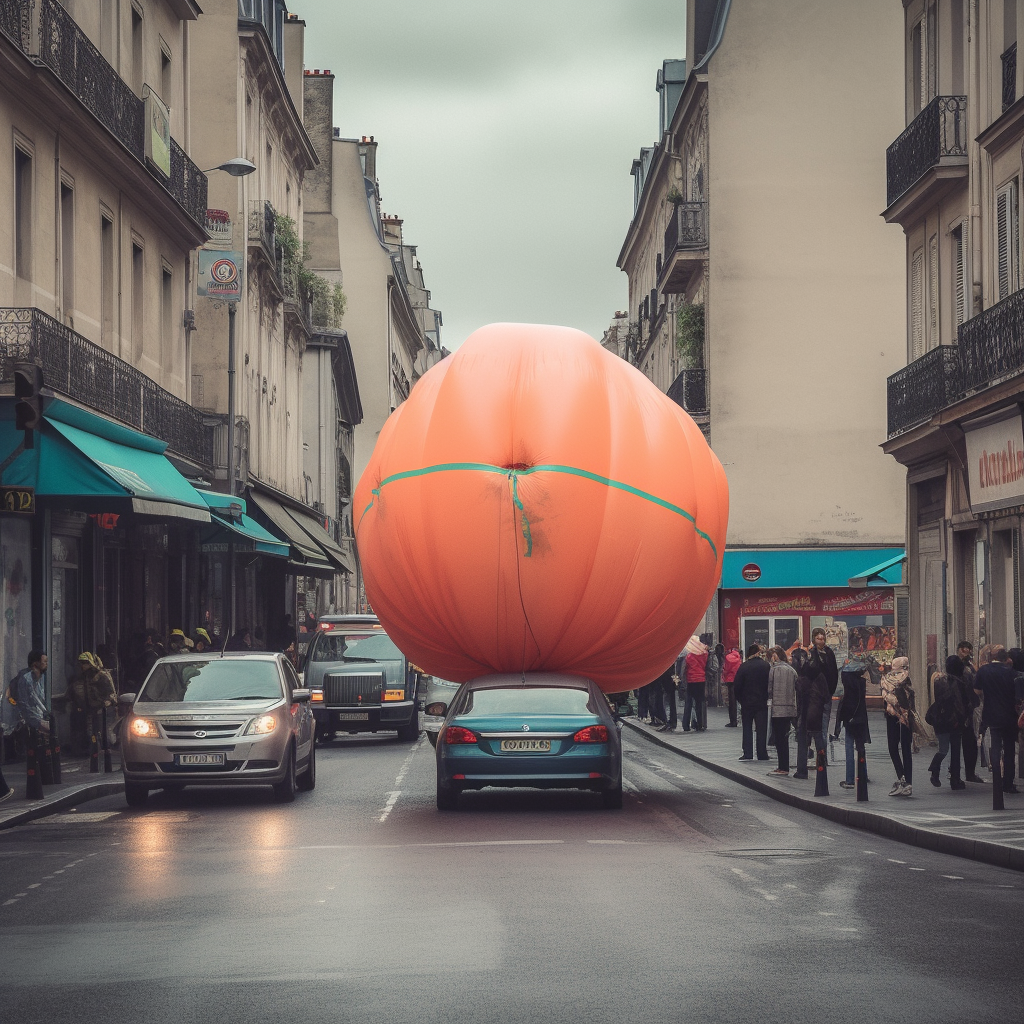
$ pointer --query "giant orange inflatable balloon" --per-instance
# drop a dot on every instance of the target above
(538, 504)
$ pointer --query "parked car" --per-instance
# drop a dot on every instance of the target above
(218, 720)
(550, 731)
(359, 681)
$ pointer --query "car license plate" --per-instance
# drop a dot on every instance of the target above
(519, 746)
(354, 716)
(201, 759)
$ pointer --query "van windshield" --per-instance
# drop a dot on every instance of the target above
(336, 646)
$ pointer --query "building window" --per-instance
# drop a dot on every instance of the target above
(138, 73)
(23, 213)
(921, 60)
(167, 324)
(959, 276)
(137, 300)
(107, 282)
(933, 291)
(917, 305)
(1007, 239)
(165, 75)
(956, 39)
(67, 248)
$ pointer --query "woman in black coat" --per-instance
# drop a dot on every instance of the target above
(811, 697)
(947, 717)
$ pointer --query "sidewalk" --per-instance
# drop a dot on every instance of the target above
(961, 823)
(77, 784)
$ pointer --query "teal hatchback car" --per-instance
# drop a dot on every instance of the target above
(550, 731)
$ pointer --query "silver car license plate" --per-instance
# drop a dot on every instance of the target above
(518, 746)
(354, 716)
(200, 759)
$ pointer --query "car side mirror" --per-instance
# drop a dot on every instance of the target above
(300, 695)
(127, 699)
(438, 709)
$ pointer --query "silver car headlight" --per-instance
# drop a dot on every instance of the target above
(145, 728)
(262, 726)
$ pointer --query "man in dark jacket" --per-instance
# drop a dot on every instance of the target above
(994, 682)
(667, 685)
(812, 696)
(823, 657)
(751, 690)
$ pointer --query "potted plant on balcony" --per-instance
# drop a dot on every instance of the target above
(675, 195)
(327, 299)
(690, 334)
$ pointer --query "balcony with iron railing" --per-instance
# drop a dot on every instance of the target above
(991, 344)
(263, 229)
(298, 310)
(935, 141)
(690, 391)
(88, 374)
(686, 246)
(923, 388)
(54, 39)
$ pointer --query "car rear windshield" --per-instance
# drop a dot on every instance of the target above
(535, 700)
(183, 682)
(376, 646)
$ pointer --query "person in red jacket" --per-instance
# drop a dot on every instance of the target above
(694, 676)
(730, 663)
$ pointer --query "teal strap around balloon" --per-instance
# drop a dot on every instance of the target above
(514, 474)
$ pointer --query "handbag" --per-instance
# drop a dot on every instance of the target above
(917, 726)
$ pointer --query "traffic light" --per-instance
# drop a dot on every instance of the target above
(28, 410)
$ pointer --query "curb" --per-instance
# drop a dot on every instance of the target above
(59, 801)
(868, 821)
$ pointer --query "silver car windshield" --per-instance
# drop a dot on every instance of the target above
(334, 646)
(537, 700)
(184, 682)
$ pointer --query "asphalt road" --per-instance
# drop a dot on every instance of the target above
(699, 901)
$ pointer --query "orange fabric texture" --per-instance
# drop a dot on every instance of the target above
(537, 504)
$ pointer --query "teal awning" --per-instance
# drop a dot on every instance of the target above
(80, 455)
(316, 533)
(886, 574)
(306, 554)
(243, 530)
(790, 568)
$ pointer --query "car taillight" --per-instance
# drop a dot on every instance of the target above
(456, 734)
(592, 734)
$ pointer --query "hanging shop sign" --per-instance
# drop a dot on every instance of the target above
(751, 572)
(19, 500)
(995, 461)
(220, 274)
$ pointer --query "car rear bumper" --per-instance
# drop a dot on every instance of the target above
(472, 768)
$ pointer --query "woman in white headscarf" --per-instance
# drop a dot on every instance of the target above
(898, 694)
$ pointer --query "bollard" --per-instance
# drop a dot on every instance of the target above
(45, 759)
(33, 784)
(54, 751)
(862, 773)
(107, 769)
(821, 775)
(94, 744)
(996, 760)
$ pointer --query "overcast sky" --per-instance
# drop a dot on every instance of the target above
(506, 132)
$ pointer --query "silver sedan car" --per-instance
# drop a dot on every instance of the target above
(218, 720)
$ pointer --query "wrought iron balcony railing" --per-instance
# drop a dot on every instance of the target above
(296, 302)
(1009, 59)
(918, 391)
(690, 390)
(68, 52)
(940, 130)
(991, 344)
(687, 228)
(263, 228)
(74, 366)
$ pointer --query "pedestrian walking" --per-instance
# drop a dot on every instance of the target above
(28, 692)
(960, 669)
(782, 695)
(898, 695)
(995, 683)
(730, 666)
(751, 686)
(668, 698)
(811, 697)
(853, 715)
(694, 672)
(946, 715)
(824, 658)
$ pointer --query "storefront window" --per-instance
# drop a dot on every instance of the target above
(16, 574)
(65, 618)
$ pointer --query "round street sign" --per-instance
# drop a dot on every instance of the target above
(751, 572)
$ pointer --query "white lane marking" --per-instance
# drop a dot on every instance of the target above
(747, 878)
(397, 791)
(7, 903)
(406, 846)
(35, 885)
(611, 842)
(915, 869)
(893, 860)
(954, 878)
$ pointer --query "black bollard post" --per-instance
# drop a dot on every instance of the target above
(33, 784)
(107, 769)
(44, 756)
(54, 751)
(821, 775)
(94, 744)
(862, 773)
(995, 756)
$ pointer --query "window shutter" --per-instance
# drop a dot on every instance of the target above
(931, 53)
(933, 292)
(1002, 243)
(917, 305)
(959, 281)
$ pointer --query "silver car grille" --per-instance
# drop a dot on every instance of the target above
(210, 730)
(353, 689)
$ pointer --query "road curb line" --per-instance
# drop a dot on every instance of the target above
(855, 817)
(59, 801)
